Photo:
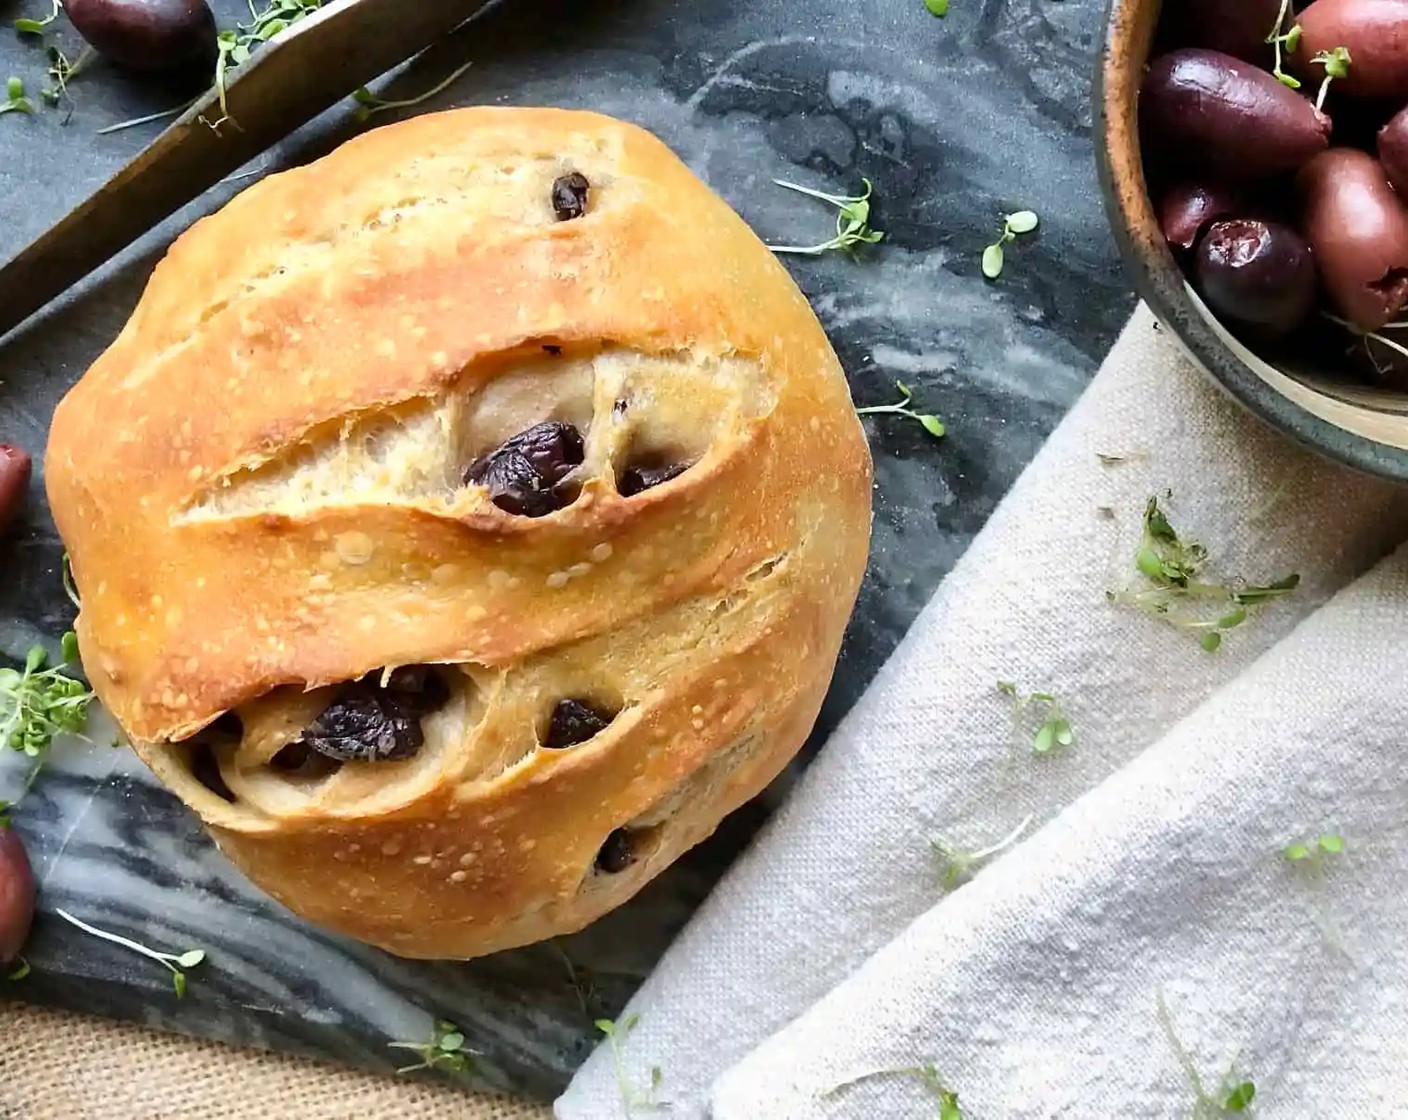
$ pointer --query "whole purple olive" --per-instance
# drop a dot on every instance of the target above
(16, 895)
(1375, 32)
(1256, 274)
(147, 34)
(1235, 27)
(1393, 151)
(1233, 121)
(15, 469)
(1186, 209)
(1358, 228)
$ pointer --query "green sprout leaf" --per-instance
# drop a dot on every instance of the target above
(957, 866)
(1331, 843)
(446, 1049)
(233, 47)
(1179, 597)
(368, 103)
(20, 972)
(37, 26)
(1054, 729)
(632, 1097)
(930, 423)
(926, 1074)
(15, 100)
(1013, 225)
(172, 962)
(852, 221)
(1288, 41)
(1240, 1098)
(937, 7)
(1336, 63)
(38, 703)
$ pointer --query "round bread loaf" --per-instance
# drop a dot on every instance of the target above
(465, 523)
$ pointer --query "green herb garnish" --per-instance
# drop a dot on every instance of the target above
(1289, 41)
(926, 1074)
(994, 256)
(1310, 853)
(937, 7)
(632, 1097)
(1336, 64)
(38, 703)
(15, 100)
(368, 103)
(1232, 1096)
(175, 963)
(1171, 565)
(1054, 731)
(930, 423)
(234, 47)
(446, 1049)
(958, 866)
(852, 221)
(20, 972)
(37, 26)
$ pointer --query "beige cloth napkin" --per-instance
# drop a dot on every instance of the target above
(57, 1066)
(930, 751)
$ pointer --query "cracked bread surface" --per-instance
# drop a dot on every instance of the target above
(262, 486)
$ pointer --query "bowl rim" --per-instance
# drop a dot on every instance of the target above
(1150, 268)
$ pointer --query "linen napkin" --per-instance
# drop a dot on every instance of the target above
(1160, 914)
(930, 752)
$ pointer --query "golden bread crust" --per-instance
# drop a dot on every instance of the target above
(261, 485)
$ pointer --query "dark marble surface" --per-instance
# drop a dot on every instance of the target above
(955, 121)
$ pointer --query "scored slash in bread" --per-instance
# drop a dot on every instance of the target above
(275, 482)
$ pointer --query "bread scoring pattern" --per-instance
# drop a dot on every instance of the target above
(464, 540)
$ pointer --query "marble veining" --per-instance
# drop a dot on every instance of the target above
(955, 121)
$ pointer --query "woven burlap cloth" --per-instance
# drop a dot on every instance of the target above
(58, 1066)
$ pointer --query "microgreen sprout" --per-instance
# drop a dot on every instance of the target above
(37, 703)
(20, 972)
(1171, 565)
(175, 963)
(1054, 730)
(994, 256)
(578, 977)
(958, 866)
(1311, 853)
(852, 221)
(1336, 64)
(369, 103)
(930, 423)
(632, 1097)
(15, 100)
(446, 1049)
(1232, 1096)
(1368, 337)
(63, 70)
(37, 26)
(1287, 41)
(937, 7)
(234, 47)
(926, 1074)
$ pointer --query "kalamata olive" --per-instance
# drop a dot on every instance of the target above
(1186, 209)
(15, 469)
(523, 472)
(1358, 230)
(1393, 151)
(147, 34)
(1232, 120)
(365, 725)
(616, 853)
(639, 477)
(569, 196)
(16, 895)
(1256, 274)
(573, 722)
(1375, 32)
(1235, 27)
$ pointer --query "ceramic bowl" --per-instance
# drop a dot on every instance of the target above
(1314, 396)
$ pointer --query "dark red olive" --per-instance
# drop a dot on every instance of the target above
(1375, 32)
(1186, 209)
(1393, 151)
(15, 469)
(147, 34)
(1256, 274)
(16, 895)
(1230, 119)
(1358, 230)
(1236, 27)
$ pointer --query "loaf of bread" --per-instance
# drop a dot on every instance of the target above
(464, 524)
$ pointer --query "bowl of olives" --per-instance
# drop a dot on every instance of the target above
(1254, 158)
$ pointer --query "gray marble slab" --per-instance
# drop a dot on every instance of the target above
(956, 121)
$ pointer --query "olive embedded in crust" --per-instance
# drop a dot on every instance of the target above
(616, 854)
(147, 34)
(365, 726)
(1258, 274)
(523, 472)
(1358, 229)
(1233, 119)
(569, 196)
(574, 722)
(639, 477)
